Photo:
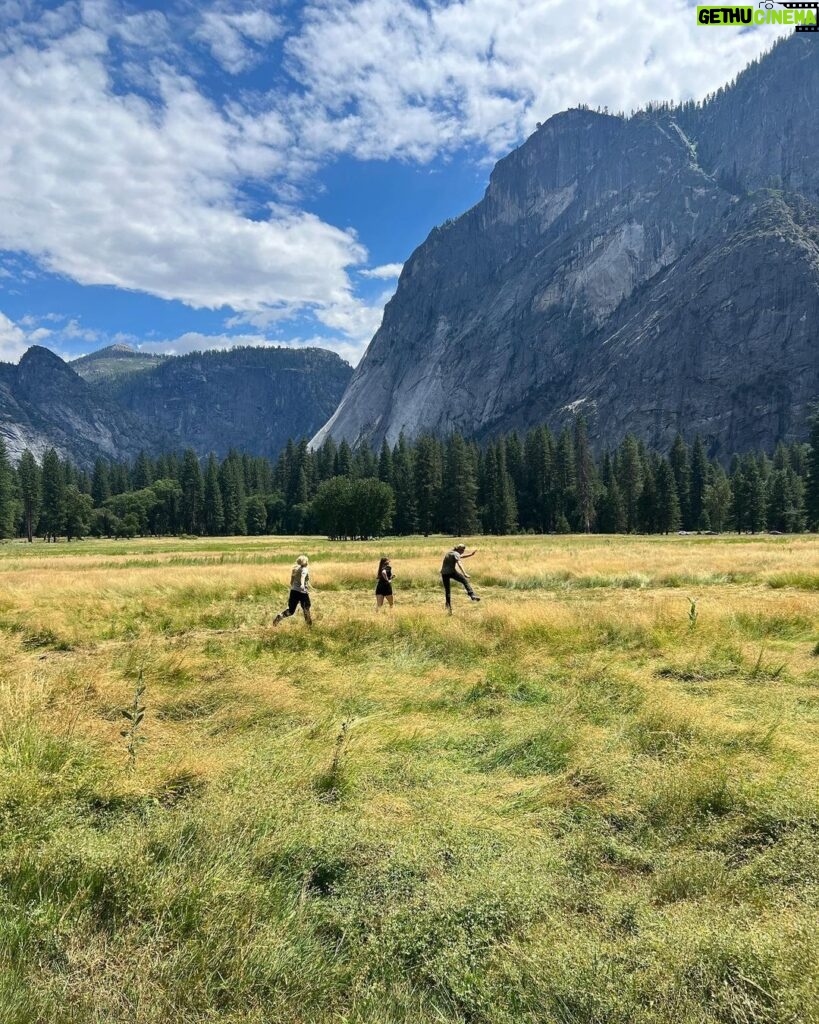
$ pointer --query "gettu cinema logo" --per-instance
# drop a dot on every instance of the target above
(803, 16)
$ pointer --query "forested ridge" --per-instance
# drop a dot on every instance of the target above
(537, 483)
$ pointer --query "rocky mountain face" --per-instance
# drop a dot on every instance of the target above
(118, 402)
(44, 404)
(659, 273)
(251, 399)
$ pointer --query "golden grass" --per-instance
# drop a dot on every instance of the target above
(565, 803)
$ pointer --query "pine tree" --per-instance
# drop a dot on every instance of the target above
(344, 460)
(120, 478)
(630, 478)
(584, 476)
(264, 476)
(680, 464)
(717, 501)
(327, 455)
(536, 510)
(299, 489)
(7, 502)
(365, 464)
(667, 518)
(77, 513)
(256, 515)
(385, 463)
(781, 510)
(233, 498)
(193, 491)
(142, 475)
(563, 483)
(28, 473)
(406, 517)
(700, 472)
(812, 490)
(166, 516)
(757, 499)
(428, 482)
(647, 517)
(514, 461)
(100, 484)
(611, 517)
(499, 508)
(52, 512)
(749, 499)
(214, 511)
(459, 512)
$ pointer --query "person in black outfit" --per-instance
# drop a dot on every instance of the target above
(383, 586)
(451, 570)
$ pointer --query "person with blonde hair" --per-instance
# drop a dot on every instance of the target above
(299, 591)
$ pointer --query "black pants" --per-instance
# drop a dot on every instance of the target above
(447, 581)
(296, 599)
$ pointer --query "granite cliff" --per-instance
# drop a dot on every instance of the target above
(116, 402)
(659, 273)
(44, 404)
(251, 399)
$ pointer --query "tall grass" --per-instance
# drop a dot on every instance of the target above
(570, 803)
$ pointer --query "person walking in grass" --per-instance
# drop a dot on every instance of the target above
(383, 585)
(451, 570)
(299, 592)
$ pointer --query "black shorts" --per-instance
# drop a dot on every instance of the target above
(383, 589)
(296, 599)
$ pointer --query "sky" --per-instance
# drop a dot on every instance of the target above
(199, 174)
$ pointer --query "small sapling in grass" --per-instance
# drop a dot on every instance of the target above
(759, 669)
(331, 784)
(134, 715)
(693, 613)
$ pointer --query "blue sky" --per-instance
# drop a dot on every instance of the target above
(186, 175)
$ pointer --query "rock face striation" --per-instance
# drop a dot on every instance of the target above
(118, 402)
(251, 399)
(658, 273)
(44, 404)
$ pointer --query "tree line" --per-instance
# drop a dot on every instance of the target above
(540, 482)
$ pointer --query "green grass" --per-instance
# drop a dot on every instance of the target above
(565, 805)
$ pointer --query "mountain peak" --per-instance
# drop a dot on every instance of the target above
(38, 355)
(629, 268)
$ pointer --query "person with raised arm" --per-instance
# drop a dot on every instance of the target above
(451, 569)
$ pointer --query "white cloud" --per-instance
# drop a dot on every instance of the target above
(73, 330)
(386, 272)
(110, 189)
(357, 320)
(385, 78)
(107, 187)
(235, 38)
(17, 336)
(151, 28)
(13, 341)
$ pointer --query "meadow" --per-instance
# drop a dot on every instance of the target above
(590, 799)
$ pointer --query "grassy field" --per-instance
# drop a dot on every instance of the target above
(582, 800)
